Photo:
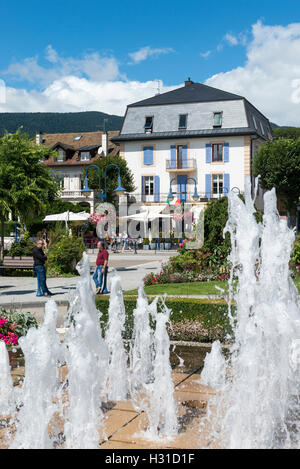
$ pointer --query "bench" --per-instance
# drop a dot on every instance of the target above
(17, 262)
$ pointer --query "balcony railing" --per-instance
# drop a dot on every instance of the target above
(181, 165)
(163, 197)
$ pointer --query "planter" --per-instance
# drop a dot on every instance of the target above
(152, 246)
(167, 246)
(146, 247)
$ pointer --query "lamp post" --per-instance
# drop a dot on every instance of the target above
(195, 197)
(119, 189)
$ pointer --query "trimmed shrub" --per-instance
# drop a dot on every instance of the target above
(64, 255)
(210, 315)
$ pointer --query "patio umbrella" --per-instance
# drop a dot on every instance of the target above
(67, 216)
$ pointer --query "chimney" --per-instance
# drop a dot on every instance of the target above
(188, 82)
(38, 138)
(105, 143)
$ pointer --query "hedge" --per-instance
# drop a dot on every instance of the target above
(210, 317)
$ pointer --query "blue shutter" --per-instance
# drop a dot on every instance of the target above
(226, 184)
(208, 186)
(173, 157)
(182, 187)
(148, 155)
(184, 156)
(208, 152)
(142, 189)
(156, 188)
(226, 152)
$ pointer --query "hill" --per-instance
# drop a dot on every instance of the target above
(54, 122)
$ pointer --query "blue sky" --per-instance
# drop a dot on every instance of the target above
(117, 50)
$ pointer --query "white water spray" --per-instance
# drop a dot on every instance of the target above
(42, 352)
(86, 360)
(259, 407)
(117, 384)
(7, 402)
(214, 370)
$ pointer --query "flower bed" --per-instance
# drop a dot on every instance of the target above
(14, 325)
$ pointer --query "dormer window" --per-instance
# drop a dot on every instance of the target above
(182, 121)
(217, 119)
(61, 154)
(148, 124)
(85, 156)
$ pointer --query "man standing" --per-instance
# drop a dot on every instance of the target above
(100, 274)
(39, 259)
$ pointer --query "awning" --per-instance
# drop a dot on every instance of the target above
(67, 216)
(149, 213)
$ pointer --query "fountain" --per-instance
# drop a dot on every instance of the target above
(258, 405)
(258, 382)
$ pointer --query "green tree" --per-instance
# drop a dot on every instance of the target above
(288, 132)
(127, 177)
(25, 184)
(278, 164)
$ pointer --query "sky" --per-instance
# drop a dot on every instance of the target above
(70, 55)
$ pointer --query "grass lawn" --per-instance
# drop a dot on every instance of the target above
(193, 288)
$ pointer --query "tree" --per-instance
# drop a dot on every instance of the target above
(288, 132)
(278, 164)
(25, 184)
(127, 177)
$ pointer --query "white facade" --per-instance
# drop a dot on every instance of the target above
(196, 157)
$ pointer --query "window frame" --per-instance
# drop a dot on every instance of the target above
(180, 126)
(149, 128)
(150, 185)
(86, 153)
(212, 152)
(218, 193)
(61, 155)
(220, 113)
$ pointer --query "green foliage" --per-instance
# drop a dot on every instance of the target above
(24, 321)
(22, 248)
(278, 164)
(215, 219)
(127, 177)
(57, 122)
(25, 184)
(288, 132)
(296, 253)
(212, 315)
(64, 255)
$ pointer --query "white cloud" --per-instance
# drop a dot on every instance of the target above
(269, 79)
(145, 52)
(91, 66)
(205, 54)
(73, 94)
(233, 41)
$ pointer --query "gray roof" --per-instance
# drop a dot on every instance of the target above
(190, 93)
(186, 133)
(199, 102)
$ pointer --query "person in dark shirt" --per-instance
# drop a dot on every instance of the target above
(100, 274)
(39, 260)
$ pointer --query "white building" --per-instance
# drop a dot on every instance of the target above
(194, 134)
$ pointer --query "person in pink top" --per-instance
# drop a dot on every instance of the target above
(100, 274)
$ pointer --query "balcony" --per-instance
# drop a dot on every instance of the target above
(181, 166)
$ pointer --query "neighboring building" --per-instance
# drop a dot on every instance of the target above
(75, 152)
(195, 132)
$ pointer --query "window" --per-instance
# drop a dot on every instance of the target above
(148, 185)
(254, 122)
(61, 154)
(148, 124)
(217, 152)
(77, 138)
(217, 119)
(217, 184)
(182, 121)
(85, 156)
(262, 128)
